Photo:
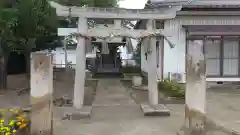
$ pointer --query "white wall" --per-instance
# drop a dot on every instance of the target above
(174, 58)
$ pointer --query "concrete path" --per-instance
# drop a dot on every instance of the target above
(111, 92)
(115, 113)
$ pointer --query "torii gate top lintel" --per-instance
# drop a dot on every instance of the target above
(163, 13)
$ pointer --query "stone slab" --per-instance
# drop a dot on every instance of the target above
(77, 114)
(156, 110)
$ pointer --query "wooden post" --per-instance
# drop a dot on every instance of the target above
(195, 90)
(41, 94)
(80, 65)
(152, 67)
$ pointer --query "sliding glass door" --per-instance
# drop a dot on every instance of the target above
(212, 55)
(230, 57)
(222, 55)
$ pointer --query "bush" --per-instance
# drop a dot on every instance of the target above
(12, 121)
(171, 88)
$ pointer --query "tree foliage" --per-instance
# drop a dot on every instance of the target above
(8, 22)
(35, 19)
(90, 3)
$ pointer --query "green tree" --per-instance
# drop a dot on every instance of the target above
(89, 3)
(36, 19)
(8, 22)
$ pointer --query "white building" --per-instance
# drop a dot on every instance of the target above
(214, 23)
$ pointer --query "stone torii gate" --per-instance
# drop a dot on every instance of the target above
(118, 14)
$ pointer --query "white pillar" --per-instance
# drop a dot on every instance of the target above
(41, 93)
(195, 89)
(80, 65)
(152, 67)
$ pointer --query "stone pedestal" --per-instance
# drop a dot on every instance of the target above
(77, 114)
(41, 94)
(155, 110)
(195, 102)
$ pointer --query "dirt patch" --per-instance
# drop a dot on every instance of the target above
(63, 85)
(17, 81)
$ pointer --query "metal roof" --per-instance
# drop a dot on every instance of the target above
(199, 3)
(221, 4)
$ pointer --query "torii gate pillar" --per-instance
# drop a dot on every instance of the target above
(80, 74)
(152, 67)
(153, 108)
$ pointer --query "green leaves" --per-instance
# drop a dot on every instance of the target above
(8, 23)
(89, 3)
(35, 20)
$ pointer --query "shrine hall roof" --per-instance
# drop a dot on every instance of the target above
(194, 5)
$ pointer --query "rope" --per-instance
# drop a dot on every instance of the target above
(112, 35)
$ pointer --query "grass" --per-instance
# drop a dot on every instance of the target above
(171, 89)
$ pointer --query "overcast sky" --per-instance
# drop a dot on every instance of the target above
(132, 4)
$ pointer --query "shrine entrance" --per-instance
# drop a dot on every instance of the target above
(109, 62)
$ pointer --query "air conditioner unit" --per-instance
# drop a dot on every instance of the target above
(179, 77)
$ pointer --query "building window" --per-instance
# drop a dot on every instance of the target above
(230, 57)
(212, 55)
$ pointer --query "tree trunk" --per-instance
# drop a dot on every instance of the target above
(27, 60)
(3, 73)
